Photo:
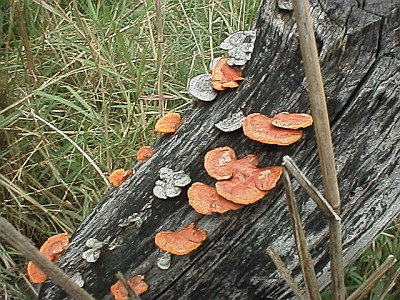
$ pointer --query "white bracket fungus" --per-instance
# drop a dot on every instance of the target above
(239, 45)
(285, 4)
(93, 253)
(163, 260)
(201, 88)
(170, 184)
(232, 123)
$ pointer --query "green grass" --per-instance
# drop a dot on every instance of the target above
(81, 77)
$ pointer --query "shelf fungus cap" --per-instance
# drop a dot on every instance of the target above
(144, 153)
(258, 127)
(225, 76)
(240, 181)
(51, 249)
(292, 120)
(170, 184)
(232, 123)
(238, 38)
(205, 200)
(201, 88)
(118, 176)
(168, 123)
(180, 242)
(136, 283)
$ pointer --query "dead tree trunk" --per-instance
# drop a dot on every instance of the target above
(358, 43)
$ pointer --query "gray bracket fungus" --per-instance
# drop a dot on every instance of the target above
(78, 278)
(163, 260)
(201, 88)
(170, 184)
(232, 123)
(240, 46)
(285, 5)
(93, 253)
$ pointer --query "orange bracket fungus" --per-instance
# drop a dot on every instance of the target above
(225, 76)
(201, 88)
(258, 127)
(168, 123)
(181, 242)
(170, 184)
(144, 153)
(136, 283)
(205, 200)
(118, 176)
(292, 120)
(240, 180)
(232, 123)
(240, 46)
(51, 249)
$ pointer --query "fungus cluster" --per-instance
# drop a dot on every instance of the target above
(170, 183)
(283, 129)
(92, 254)
(240, 46)
(136, 283)
(225, 72)
(51, 249)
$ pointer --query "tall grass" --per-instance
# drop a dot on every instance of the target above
(78, 97)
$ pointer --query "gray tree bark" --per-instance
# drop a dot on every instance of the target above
(358, 43)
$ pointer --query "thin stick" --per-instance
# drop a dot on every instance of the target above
(284, 272)
(311, 190)
(323, 136)
(372, 280)
(12, 236)
(307, 266)
(126, 285)
(160, 61)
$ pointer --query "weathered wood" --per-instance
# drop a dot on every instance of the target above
(359, 55)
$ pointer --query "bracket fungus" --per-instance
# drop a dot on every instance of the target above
(180, 242)
(232, 123)
(144, 153)
(117, 177)
(225, 76)
(136, 283)
(239, 180)
(240, 46)
(201, 88)
(93, 253)
(258, 127)
(205, 200)
(292, 120)
(168, 123)
(163, 260)
(51, 249)
(171, 183)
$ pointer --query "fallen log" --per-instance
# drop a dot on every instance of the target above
(359, 55)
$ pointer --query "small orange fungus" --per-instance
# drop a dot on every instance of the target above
(180, 242)
(205, 200)
(240, 180)
(225, 76)
(118, 176)
(136, 283)
(144, 153)
(258, 127)
(168, 123)
(51, 249)
(292, 120)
